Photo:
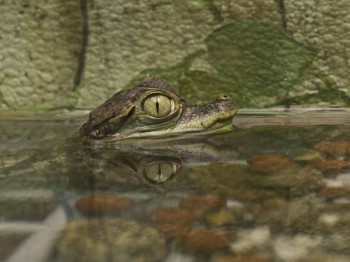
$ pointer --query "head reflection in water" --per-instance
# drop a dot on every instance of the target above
(152, 164)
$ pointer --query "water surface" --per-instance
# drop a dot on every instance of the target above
(275, 189)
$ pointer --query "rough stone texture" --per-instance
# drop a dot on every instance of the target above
(46, 60)
(252, 62)
(325, 25)
(127, 37)
(266, 11)
(39, 47)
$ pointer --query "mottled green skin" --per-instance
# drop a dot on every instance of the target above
(124, 116)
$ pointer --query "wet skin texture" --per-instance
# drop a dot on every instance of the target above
(154, 109)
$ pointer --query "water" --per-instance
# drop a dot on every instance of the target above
(275, 189)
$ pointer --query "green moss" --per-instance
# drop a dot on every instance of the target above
(259, 60)
(252, 62)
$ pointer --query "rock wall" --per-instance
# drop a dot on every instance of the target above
(324, 25)
(76, 53)
(40, 42)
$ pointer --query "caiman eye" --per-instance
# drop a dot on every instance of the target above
(158, 106)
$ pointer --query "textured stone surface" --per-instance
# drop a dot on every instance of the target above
(39, 47)
(266, 11)
(252, 62)
(323, 24)
(127, 37)
(46, 60)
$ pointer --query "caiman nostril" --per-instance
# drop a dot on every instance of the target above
(223, 98)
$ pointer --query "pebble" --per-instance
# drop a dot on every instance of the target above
(242, 258)
(308, 155)
(173, 221)
(205, 203)
(179, 257)
(332, 183)
(299, 179)
(269, 163)
(294, 248)
(249, 239)
(338, 149)
(102, 204)
(321, 256)
(220, 217)
(234, 204)
(330, 165)
(333, 192)
(203, 240)
(344, 179)
(119, 240)
(329, 219)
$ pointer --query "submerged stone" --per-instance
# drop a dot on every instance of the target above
(334, 192)
(203, 240)
(109, 240)
(173, 221)
(206, 202)
(330, 165)
(339, 149)
(242, 258)
(220, 217)
(102, 204)
(270, 163)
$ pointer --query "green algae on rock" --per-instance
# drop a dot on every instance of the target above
(250, 61)
(261, 61)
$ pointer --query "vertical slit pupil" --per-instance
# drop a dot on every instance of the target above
(157, 106)
(159, 171)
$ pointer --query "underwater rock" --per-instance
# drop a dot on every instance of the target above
(101, 204)
(242, 258)
(280, 214)
(295, 248)
(173, 221)
(203, 240)
(344, 179)
(251, 239)
(308, 155)
(269, 163)
(336, 150)
(330, 165)
(109, 240)
(204, 203)
(232, 181)
(334, 192)
(323, 256)
(220, 217)
(296, 180)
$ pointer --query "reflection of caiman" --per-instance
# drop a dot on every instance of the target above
(153, 163)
